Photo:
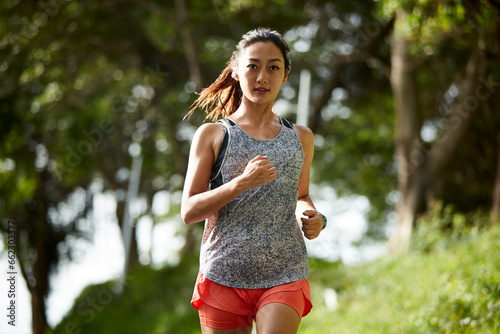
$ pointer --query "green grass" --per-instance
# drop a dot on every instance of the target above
(453, 289)
(452, 286)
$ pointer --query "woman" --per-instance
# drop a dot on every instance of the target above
(255, 165)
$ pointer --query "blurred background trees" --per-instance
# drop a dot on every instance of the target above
(404, 103)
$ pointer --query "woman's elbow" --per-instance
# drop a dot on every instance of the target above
(187, 215)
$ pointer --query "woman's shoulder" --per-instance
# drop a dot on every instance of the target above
(306, 137)
(210, 129)
(303, 131)
(209, 134)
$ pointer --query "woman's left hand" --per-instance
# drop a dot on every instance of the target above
(312, 224)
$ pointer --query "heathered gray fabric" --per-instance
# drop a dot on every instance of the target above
(255, 241)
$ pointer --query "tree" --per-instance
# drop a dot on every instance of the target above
(70, 112)
(82, 85)
(401, 64)
(420, 168)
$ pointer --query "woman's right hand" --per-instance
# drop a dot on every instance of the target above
(198, 203)
(257, 172)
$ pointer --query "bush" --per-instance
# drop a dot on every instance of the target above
(443, 225)
(153, 301)
(469, 301)
(448, 283)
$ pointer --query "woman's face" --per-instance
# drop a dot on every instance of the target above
(261, 72)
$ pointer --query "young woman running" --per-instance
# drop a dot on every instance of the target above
(255, 165)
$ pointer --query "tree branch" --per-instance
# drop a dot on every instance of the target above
(459, 118)
(362, 53)
(155, 8)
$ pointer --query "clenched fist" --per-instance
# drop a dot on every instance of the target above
(258, 171)
(312, 224)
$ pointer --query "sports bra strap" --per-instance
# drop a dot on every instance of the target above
(215, 175)
(286, 123)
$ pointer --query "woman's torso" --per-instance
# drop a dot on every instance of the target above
(254, 241)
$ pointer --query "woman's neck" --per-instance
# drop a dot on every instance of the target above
(259, 115)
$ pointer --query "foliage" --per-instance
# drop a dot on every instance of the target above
(442, 226)
(84, 83)
(358, 147)
(153, 301)
(453, 289)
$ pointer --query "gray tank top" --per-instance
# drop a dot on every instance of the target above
(255, 241)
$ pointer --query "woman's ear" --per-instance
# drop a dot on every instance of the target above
(285, 77)
(234, 75)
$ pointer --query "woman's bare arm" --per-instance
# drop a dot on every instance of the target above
(312, 222)
(198, 203)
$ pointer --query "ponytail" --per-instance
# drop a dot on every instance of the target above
(221, 99)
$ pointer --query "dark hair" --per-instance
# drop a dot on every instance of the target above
(223, 97)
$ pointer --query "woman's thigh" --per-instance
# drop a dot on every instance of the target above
(277, 318)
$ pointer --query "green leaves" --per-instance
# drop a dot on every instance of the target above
(452, 289)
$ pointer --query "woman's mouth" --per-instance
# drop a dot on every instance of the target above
(261, 90)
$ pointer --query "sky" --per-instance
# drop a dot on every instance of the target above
(100, 258)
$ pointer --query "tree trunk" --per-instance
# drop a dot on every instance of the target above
(189, 44)
(407, 138)
(39, 319)
(36, 269)
(189, 244)
(133, 259)
(418, 167)
(495, 207)
(472, 92)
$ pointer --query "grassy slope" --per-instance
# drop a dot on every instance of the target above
(454, 288)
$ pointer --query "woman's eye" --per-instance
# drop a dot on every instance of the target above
(274, 68)
(252, 66)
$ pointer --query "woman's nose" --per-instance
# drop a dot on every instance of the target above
(262, 77)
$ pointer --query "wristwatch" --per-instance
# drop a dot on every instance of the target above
(325, 220)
